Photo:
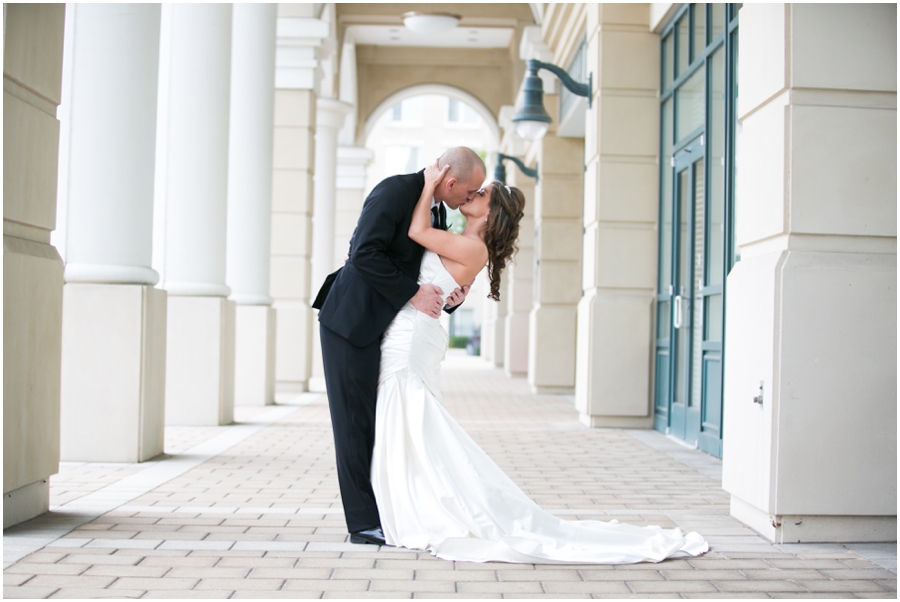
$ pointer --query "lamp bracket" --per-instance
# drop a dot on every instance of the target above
(531, 173)
(579, 89)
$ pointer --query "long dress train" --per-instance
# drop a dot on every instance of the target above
(438, 491)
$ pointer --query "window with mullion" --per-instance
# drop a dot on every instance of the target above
(698, 88)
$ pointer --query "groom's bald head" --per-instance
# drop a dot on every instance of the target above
(465, 176)
(464, 163)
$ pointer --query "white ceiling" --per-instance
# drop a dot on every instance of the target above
(460, 37)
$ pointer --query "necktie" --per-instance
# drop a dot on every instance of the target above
(436, 216)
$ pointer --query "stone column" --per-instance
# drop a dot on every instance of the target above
(352, 170)
(350, 193)
(520, 287)
(811, 307)
(621, 201)
(114, 327)
(493, 325)
(330, 115)
(557, 256)
(32, 269)
(297, 72)
(200, 358)
(250, 201)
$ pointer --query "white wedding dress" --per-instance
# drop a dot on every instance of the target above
(438, 491)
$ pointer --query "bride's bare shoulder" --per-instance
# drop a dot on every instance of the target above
(469, 258)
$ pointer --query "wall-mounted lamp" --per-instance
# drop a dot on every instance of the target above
(532, 119)
(500, 170)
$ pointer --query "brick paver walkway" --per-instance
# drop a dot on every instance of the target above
(252, 510)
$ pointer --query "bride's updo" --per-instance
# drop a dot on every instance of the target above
(506, 209)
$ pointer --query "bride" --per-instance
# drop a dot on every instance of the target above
(436, 489)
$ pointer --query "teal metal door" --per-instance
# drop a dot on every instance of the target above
(698, 91)
(690, 310)
(687, 239)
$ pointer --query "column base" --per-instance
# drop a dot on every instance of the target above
(113, 373)
(24, 503)
(551, 348)
(200, 361)
(293, 346)
(317, 384)
(515, 345)
(816, 528)
(617, 422)
(552, 390)
(488, 332)
(497, 341)
(254, 355)
(317, 369)
(613, 364)
(291, 387)
(32, 339)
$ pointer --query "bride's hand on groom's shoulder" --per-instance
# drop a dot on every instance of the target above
(434, 174)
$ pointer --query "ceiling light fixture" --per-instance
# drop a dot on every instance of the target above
(430, 23)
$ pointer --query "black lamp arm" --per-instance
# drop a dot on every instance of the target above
(574, 87)
(531, 173)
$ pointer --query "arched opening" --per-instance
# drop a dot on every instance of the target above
(489, 119)
(408, 131)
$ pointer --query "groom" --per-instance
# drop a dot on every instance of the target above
(359, 301)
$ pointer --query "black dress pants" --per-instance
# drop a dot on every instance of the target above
(351, 376)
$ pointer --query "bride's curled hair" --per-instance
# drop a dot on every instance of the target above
(506, 209)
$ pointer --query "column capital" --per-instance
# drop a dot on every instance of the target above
(330, 113)
(298, 45)
(352, 167)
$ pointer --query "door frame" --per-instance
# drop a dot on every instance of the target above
(684, 420)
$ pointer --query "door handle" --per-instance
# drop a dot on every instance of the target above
(679, 312)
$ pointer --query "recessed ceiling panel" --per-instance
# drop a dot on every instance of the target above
(461, 37)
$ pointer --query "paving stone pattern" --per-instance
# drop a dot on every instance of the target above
(260, 516)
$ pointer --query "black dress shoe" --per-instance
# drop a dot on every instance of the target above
(374, 536)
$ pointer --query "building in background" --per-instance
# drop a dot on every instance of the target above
(709, 246)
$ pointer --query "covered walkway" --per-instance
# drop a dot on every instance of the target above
(252, 510)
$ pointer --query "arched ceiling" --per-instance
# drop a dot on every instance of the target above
(480, 57)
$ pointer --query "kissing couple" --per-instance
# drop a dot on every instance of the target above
(409, 475)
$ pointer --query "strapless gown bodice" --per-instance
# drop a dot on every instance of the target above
(437, 490)
(415, 341)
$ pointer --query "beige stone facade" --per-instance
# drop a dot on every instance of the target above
(804, 411)
(32, 268)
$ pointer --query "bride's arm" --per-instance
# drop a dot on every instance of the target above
(461, 249)
(421, 218)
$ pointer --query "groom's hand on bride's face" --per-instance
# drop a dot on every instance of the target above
(457, 296)
(429, 300)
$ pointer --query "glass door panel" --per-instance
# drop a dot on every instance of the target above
(698, 192)
(689, 187)
(680, 340)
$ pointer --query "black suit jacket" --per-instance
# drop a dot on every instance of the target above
(359, 300)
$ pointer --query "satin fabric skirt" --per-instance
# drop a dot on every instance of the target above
(438, 491)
